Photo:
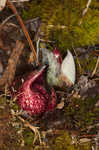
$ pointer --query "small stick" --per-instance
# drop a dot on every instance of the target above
(95, 69)
(1, 25)
(47, 41)
(96, 79)
(88, 135)
(12, 24)
(85, 11)
(12, 7)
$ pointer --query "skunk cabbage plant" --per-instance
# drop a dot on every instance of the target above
(32, 95)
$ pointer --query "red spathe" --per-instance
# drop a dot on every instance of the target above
(32, 95)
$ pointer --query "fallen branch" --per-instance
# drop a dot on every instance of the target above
(12, 7)
(9, 73)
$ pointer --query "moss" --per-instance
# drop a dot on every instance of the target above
(91, 62)
(87, 64)
(67, 14)
(2, 100)
(2, 104)
(82, 113)
(73, 111)
(64, 142)
(28, 136)
(15, 107)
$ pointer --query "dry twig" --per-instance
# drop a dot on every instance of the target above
(85, 11)
(34, 129)
(6, 20)
(12, 7)
(95, 69)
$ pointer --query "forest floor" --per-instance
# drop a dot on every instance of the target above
(74, 124)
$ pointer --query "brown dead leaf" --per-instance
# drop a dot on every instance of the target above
(64, 78)
(60, 105)
(76, 95)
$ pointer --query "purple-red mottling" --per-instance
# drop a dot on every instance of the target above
(33, 97)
